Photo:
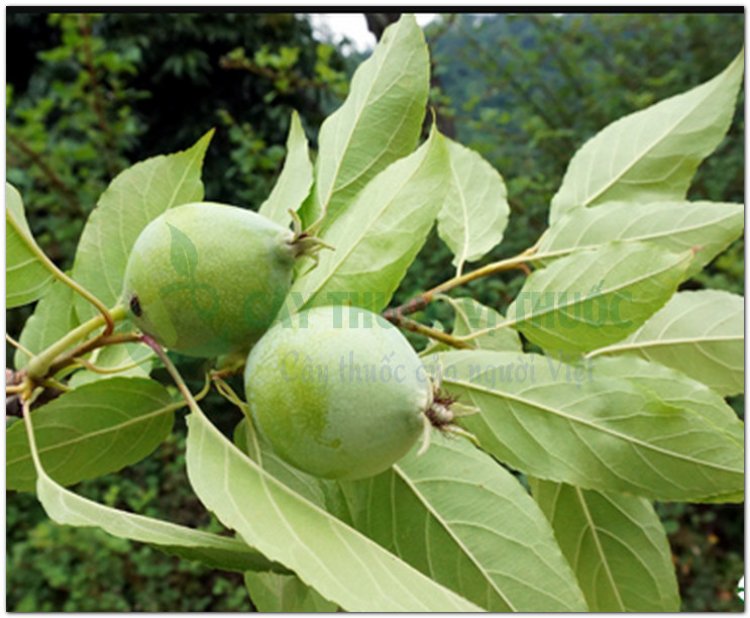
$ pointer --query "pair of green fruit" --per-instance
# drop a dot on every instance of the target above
(336, 391)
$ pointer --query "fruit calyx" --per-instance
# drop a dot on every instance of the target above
(441, 414)
(304, 243)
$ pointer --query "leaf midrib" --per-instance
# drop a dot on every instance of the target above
(339, 161)
(654, 144)
(398, 470)
(654, 343)
(646, 237)
(94, 434)
(267, 480)
(577, 420)
(599, 548)
(356, 242)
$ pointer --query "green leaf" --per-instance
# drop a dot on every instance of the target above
(26, 275)
(378, 237)
(708, 227)
(133, 199)
(294, 182)
(593, 298)
(91, 431)
(616, 546)
(380, 120)
(651, 155)
(466, 522)
(323, 493)
(472, 316)
(279, 593)
(475, 213)
(673, 388)
(563, 423)
(340, 563)
(700, 333)
(66, 508)
(54, 316)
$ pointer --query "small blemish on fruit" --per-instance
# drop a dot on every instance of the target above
(135, 306)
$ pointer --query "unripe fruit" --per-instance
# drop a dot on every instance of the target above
(208, 279)
(337, 391)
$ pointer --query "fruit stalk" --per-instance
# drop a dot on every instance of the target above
(190, 400)
(401, 321)
(73, 357)
(40, 364)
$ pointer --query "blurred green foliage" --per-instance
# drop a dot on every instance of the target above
(109, 90)
(90, 94)
(60, 568)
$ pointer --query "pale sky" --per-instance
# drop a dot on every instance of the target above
(335, 26)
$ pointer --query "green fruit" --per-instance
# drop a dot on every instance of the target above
(337, 392)
(208, 279)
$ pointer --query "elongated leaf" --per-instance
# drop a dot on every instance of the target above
(581, 301)
(340, 563)
(294, 183)
(377, 238)
(651, 155)
(475, 213)
(563, 423)
(323, 493)
(472, 316)
(699, 333)
(91, 431)
(66, 508)
(380, 120)
(280, 593)
(616, 546)
(672, 387)
(26, 276)
(133, 199)
(466, 522)
(709, 227)
(53, 317)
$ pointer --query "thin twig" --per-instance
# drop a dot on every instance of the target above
(40, 364)
(427, 331)
(191, 400)
(72, 357)
(18, 345)
(109, 370)
(54, 180)
(422, 300)
(245, 64)
(228, 393)
(96, 99)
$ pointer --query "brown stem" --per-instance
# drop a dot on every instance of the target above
(426, 331)
(70, 358)
(54, 180)
(96, 99)
(421, 301)
(245, 64)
